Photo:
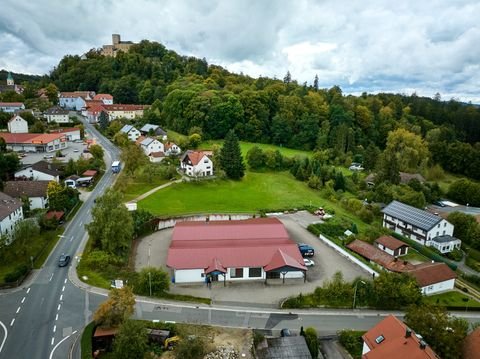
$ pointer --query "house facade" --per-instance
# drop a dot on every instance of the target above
(391, 246)
(106, 98)
(11, 107)
(150, 145)
(57, 114)
(36, 191)
(156, 130)
(75, 100)
(129, 112)
(40, 171)
(171, 149)
(196, 164)
(132, 133)
(10, 213)
(433, 278)
(34, 142)
(17, 125)
(418, 225)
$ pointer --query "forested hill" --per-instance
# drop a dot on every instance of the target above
(19, 78)
(193, 94)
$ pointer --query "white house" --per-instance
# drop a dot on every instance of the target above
(10, 213)
(149, 145)
(420, 226)
(17, 125)
(156, 157)
(172, 149)
(132, 133)
(392, 246)
(40, 171)
(36, 191)
(11, 107)
(57, 114)
(154, 130)
(196, 164)
(75, 100)
(106, 98)
(433, 278)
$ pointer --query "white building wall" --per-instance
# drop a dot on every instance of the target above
(442, 228)
(8, 223)
(58, 118)
(69, 103)
(189, 275)
(38, 202)
(17, 125)
(72, 135)
(438, 287)
(365, 348)
(35, 175)
(203, 168)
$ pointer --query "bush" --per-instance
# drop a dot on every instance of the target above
(191, 348)
(455, 255)
(311, 338)
(352, 341)
(16, 274)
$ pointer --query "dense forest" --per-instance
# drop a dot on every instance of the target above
(187, 93)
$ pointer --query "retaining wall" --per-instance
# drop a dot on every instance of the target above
(170, 222)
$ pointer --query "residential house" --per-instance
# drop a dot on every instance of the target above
(132, 133)
(292, 347)
(433, 278)
(75, 100)
(17, 125)
(156, 157)
(71, 133)
(156, 130)
(404, 178)
(392, 339)
(129, 112)
(36, 191)
(93, 112)
(171, 149)
(11, 107)
(40, 171)
(116, 46)
(106, 98)
(57, 114)
(34, 142)
(251, 249)
(10, 213)
(421, 226)
(196, 164)
(150, 145)
(392, 246)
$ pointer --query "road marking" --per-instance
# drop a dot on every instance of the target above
(13, 321)
(23, 300)
(51, 278)
(71, 239)
(18, 309)
(54, 328)
(56, 316)
(65, 281)
(58, 308)
(28, 290)
(53, 341)
(63, 288)
(61, 297)
(6, 334)
(81, 224)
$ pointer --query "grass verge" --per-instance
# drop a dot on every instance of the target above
(86, 341)
(452, 299)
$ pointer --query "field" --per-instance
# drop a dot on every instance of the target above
(245, 146)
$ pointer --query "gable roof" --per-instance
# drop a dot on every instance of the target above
(30, 138)
(126, 128)
(390, 242)
(56, 110)
(103, 96)
(148, 127)
(8, 205)
(11, 104)
(14, 117)
(147, 140)
(388, 339)
(444, 239)
(282, 260)
(17, 189)
(169, 145)
(215, 266)
(471, 345)
(431, 273)
(411, 215)
(46, 167)
(294, 347)
(194, 156)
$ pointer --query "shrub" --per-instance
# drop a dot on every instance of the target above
(352, 341)
(455, 255)
(311, 338)
(16, 274)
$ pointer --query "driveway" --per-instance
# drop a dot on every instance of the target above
(69, 152)
(152, 251)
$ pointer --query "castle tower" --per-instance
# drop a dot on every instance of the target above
(10, 81)
(115, 39)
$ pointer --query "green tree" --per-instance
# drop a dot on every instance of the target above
(119, 306)
(96, 151)
(443, 332)
(311, 338)
(407, 149)
(466, 228)
(194, 140)
(131, 341)
(133, 158)
(52, 93)
(388, 168)
(111, 228)
(103, 120)
(231, 159)
(24, 231)
(155, 278)
(255, 158)
(396, 290)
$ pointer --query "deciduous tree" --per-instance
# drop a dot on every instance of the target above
(119, 306)
(131, 341)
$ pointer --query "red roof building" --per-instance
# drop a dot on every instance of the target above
(249, 249)
(471, 345)
(392, 246)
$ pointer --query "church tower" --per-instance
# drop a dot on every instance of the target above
(10, 81)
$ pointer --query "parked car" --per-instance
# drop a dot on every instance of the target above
(439, 203)
(63, 260)
(306, 250)
(48, 157)
(356, 167)
(75, 150)
(285, 332)
(308, 262)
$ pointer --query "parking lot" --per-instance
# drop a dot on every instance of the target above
(152, 251)
(74, 150)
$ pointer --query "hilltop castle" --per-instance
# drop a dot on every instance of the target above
(117, 45)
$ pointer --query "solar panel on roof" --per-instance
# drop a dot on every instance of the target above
(411, 215)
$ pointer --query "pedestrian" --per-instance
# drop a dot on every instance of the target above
(209, 282)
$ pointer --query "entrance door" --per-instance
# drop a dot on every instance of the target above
(273, 275)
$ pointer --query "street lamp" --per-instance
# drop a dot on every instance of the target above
(150, 282)
(355, 292)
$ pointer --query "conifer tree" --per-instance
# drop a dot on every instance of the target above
(231, 159)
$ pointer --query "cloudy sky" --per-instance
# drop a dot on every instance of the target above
(404, 46)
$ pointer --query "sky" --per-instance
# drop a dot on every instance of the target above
(363, 46)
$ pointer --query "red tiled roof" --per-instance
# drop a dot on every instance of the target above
(29, 138)
(11, 104)
(215, 266)
(54, 214)
(103, 96)
(89, 173)
(430, 273)
(194, 156)
(75, 94)
(471, 345)
(395, 344)
(65, 130)
(157, 154)
(246, 243)
(121, 107)
(282, 260)
(169, 145)
(390, 242)
(140, 139)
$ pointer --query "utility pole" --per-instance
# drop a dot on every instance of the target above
(150, 282)
(355, 292)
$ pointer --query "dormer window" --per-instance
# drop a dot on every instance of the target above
(379, 339)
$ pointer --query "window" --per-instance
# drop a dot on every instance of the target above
(379, 339)
(205, 161)
(444, 224)
(430, 287)
(236, 272)
(255, 272)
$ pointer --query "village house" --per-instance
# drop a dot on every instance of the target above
(150, 145)
(129, 112)
(39, 171)
(156, 157)
(252, 249)
(11, 107)
(392, 246)
(10, 213)
(151, 130)
(57, 114)
(70, 133)
(34, 142)
(106, 98)
(132, 133)
(392, 339)
(171, 149)
(75, 100)
(196, 164)
(35, 191)
(92, 112)
(421, 226)
(17, 125)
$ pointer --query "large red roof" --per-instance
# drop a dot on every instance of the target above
(246, 243)
(30, 138)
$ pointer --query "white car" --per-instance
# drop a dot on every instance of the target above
(75, 150)
(308, 262)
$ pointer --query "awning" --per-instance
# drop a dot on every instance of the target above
(282, 262)
(215, 267)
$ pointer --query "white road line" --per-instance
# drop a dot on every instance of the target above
(61, 297)
(28, 290)
(23, 300)
(18, 309)
(54, 328)
(58, 308)
(65, 281)
(13, 321)
(71, 239)
(6, 334)
(81, 224)
(53, 340)
(51, 278)
(56, 316)
(63, 289)
(60, 342)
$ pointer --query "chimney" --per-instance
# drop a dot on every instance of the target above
(408, 333)
(423, 345)
(395, 259)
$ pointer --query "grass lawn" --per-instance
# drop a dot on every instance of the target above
(245, 146)
(452, 299)
(413, 255)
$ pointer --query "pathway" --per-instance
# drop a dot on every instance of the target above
(146, 194)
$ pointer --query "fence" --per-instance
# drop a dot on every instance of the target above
(170, 222)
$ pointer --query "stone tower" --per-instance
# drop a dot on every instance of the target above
(115, 39)
(10, 81)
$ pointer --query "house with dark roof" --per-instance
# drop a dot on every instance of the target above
(10, 213)
(196, 164)
(156, 130)
(237, 250)
(421, 226)
(40, 171)
(57, 114)
(150, 145)
(35, 191)
(392, 246)
(392, 339)
(132, 133)
(293, 347)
